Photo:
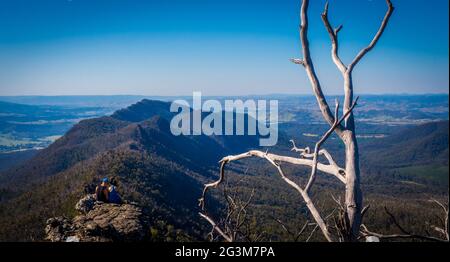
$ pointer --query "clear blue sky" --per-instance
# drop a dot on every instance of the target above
(172, 47)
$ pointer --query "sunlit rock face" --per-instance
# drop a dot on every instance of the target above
(102, 222)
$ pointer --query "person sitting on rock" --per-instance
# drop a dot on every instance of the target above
(114, 196)
(102, 192)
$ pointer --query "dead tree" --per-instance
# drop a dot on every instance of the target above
(343, 127)
(441, 230)
(234, 225)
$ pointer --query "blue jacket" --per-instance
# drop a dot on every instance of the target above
(114, 196)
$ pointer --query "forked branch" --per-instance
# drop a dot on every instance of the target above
(377, 36)
(274, 160)
(324, 138)
(312, 208)
(306, 153)
(330, 169)
(334, 40)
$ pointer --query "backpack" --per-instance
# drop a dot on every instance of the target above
(114, 196)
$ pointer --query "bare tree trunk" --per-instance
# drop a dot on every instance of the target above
(353, 194)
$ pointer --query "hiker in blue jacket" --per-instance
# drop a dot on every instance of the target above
(114, 196)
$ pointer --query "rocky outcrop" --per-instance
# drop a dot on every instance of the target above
(85, 204)
(58, 229)
(100, 222)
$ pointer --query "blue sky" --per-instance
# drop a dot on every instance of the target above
(173, 47)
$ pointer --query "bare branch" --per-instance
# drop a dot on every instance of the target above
(297, 61)
(314, 212)
(295, 236)
(394, 220)
(440, 204)
(309, 67)
(439, 230)
(306, 153)
(214, 184)
(234, 226)
(444, 230)
(405, 233)
(312, 233)
(334, 40)
(271, 158)
(337, 30)
(366, 232)
(379, 33)
(337, 201)
(328, 169)
(317, 226)
(324, 138)
(216, 228)
(364, 211)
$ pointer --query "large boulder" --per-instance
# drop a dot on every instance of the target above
(85, 204)
(58, 229)
(101, 222)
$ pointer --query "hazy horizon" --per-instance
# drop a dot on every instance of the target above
(225, 95)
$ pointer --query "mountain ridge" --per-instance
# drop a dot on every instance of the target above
(419, 145)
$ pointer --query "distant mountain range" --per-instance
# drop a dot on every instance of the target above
(162, 172)
(34, 122)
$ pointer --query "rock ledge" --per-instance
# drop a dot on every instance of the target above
(100, 222)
